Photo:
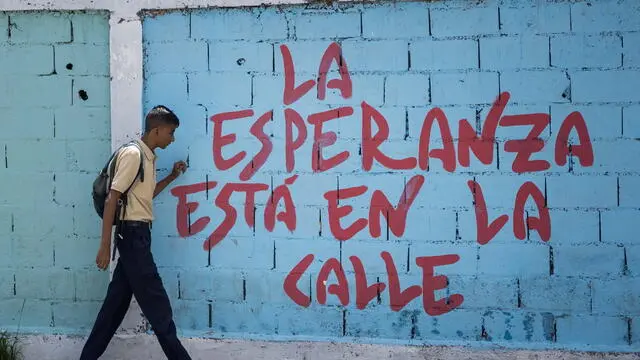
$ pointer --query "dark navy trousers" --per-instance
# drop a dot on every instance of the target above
(136, 274)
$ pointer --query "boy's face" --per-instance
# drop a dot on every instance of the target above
(166, 135)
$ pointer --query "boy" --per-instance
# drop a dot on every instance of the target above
(136, 272)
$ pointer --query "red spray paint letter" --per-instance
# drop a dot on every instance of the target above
(448, 153)
(398, 298)
(291, 92)
(584, 150)
(481, 146)
(322, 139)
(288, 216)
(526, 147)
(337, 212)
(396, 217)
(341, 289)
(291, 282)
(291, 117)
(432, 283)
(364, 293)
(542, 223)
(486, 231)
(220, 141)
(184, 208)
(370, 143)
(334, 53)
(257, 130)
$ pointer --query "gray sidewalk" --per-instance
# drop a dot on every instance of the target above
(146, 347)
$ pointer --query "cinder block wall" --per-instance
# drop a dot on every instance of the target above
(54, 112)
(536, 240)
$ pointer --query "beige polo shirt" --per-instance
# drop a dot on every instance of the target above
(140, 197)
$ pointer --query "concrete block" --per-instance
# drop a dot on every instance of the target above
(518, 259)
(30, 188)
(603, 121)
(592, 330)
(444, 191)
(581, 191)
(267, 287)
(26, 313)
(604, 86)
(6, 220)
(564, 294)
(443, 54)
(239, 24)
(600, 17)
(47, 220)
(306, 56)
(616, 297)
(517, 326)
(383, 55)
(528, 51)
(479, 21)
(178, 252)
(4, 21)
(45, 91)
(240, 56)
(322, 321)
(33, 251)
(400, 20)
(220, 285)
(290, 253)
(245, 318)
(166, 89)
(28, 155)
(76, 252)
(631, 121)
(482, 293)
(177, 56)
(459, 325)
(586, 51)
(613, 157)
(154, 28)
(428, 225)
(87, 155)
(91, 285)
(633, 260)
(631, 50)
(327, 24)
(40, 28)
(407, 89)
(369, 88)
(78, 316)
(500, 191)
(44, 284)
(574, 226)
(30, 123)
(91, 91)
(191, 315)
(467, 229)
(7, 283)
(86, 222)
(466, 265)
(307, 225)
(550, 18)
(221, 89)
(243, 253)
(83, 123)
(593, 260)
(531, 86)
(629, 191)
(26, 59)
(465, 88)
(617, 228)
(369, 254)
(91, 27)
(81, 59)
(380, 323)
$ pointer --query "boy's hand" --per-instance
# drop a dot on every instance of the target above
(178, 168)
(102, 259)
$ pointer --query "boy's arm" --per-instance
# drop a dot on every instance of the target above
(178, 168)
(103, 258)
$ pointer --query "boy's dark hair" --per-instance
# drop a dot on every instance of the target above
(160, 115)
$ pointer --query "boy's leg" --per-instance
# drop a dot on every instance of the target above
(114, 308)
(149, 291)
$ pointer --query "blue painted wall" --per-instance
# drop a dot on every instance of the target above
(51, 144)
(577, 288)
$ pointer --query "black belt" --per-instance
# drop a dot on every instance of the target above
(136, 223)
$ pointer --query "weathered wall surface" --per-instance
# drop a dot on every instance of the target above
(54, 111)
(421, 172)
